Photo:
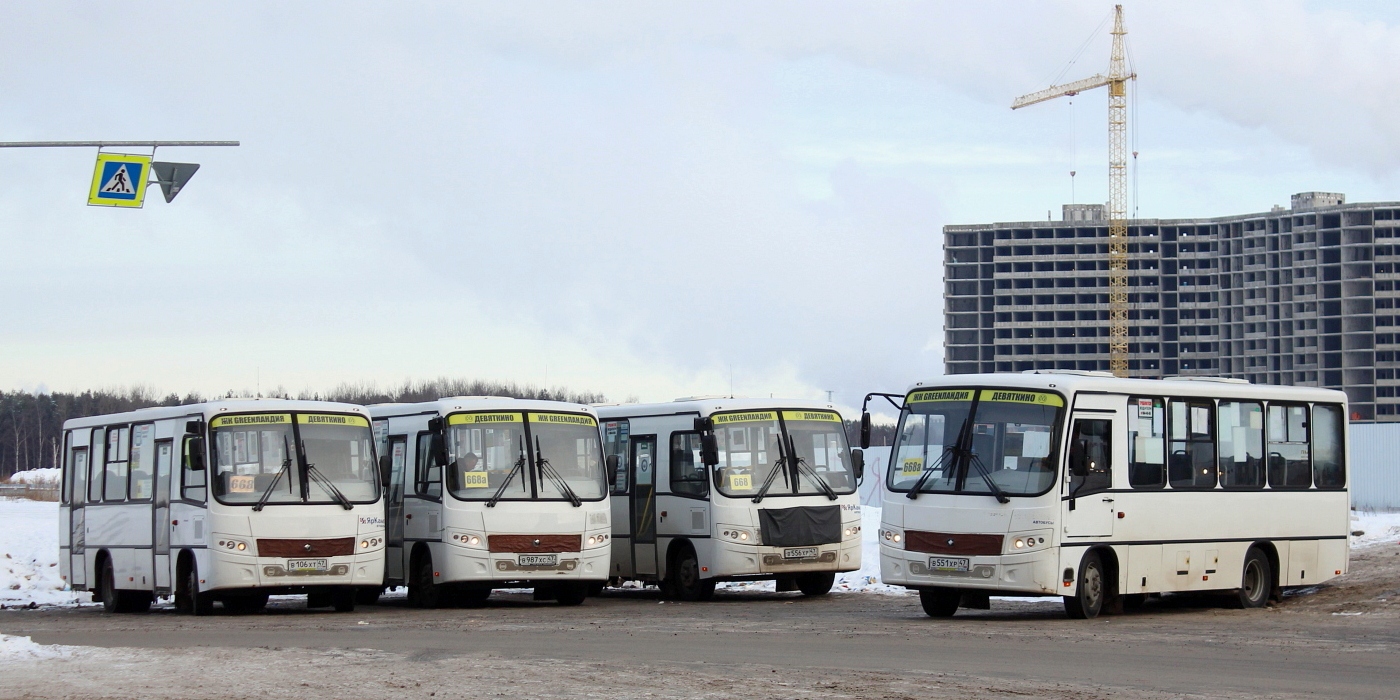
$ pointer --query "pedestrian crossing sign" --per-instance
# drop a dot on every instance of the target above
(119, 180)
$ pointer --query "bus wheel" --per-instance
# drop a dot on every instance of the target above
(571, 593)
(343, 599)
(107, 587)
(422, 590)
(940, 602)
(368, 595)
(686, 583)
(1087, 600)
(1257, 581)
(188, 599)
(816, 584)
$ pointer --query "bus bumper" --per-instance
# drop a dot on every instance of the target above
(1030, 573)
(732, 559)
(467, 565)
(230, 570)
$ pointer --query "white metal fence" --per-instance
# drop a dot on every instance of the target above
(1375, 466)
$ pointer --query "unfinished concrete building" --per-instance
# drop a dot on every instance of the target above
(1303, 296)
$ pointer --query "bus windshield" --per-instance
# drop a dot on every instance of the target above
(967, 440)
(559, 454)
(293, 458)
(750, 455)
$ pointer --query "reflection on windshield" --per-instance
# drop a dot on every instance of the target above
(257, 453)
(750, 453)
(956, 440)
(491, 450)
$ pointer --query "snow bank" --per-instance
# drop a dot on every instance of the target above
(1377, 528)
(37, 477)
(24, 649)
(29, 555)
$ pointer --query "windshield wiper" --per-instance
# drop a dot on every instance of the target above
(547, 469)
(802, 463)
(519, 465)
(928, 471)
(326, 484)
(286, 465)
(773, 473)
(987, 477)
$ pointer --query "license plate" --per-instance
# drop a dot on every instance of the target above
(800, 553)
(307, 565)
(947, 564)
(539, 560)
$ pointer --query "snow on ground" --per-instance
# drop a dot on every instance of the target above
(37, 477)
(1376, 528)
(24, 649)
(29, 565)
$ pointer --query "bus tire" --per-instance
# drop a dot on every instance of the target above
(368, 595)
(940, 602)
(188, 599)
(1257, 580)
(423, 591)
(107, 588)
(1088, 597)
(818, 583)
(343, 599)
(571, 593)
(686, 583)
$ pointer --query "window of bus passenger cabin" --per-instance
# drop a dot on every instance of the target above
(429, 474)
(1241, 444)
(1290, 466)
(688, 477)
(1090, 457)
(616, 436)
(1147, 443)
(1328, 467)
(142, 461)
(77, 474)
(118, 452)
(191, 481)
(97, 463)
(1191, 459)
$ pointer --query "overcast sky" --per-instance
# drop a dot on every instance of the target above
(645, 199)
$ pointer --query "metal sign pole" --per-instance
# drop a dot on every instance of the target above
(120, 179)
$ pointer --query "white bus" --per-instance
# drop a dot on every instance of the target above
(716, 489)
(227, 501)
(487, 492)
(1106, 490)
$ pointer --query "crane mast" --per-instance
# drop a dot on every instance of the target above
(1117, 84)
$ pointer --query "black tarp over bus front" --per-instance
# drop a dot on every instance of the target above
(802, 526)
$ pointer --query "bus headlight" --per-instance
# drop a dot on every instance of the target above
(475, 540)
(597, 540)
(892, 537)
(741, 535)
(850, 531)
(370, 542)
(231, 544)
(1026, 542)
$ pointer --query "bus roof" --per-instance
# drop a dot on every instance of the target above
(454, 404)
(706, 406)
(1074, 382)
(209, 409)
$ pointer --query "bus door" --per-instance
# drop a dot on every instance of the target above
(393, 535)
(77, 528)
(644, 504)
(1096, 439)
(160, 551)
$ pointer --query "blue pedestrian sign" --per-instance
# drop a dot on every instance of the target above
(119, 180)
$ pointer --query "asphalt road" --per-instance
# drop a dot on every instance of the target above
(1170, 648)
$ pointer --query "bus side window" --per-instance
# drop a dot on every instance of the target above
(1327, 447)
(118, 447)
(687, 469)
(1091, 457)
(77, 476)
(142, 462)
(96, 464)
(429, 473)
(191, 480)
(1147, 448)
(1191, 461)
(1290, 465)
(1241, 445)
(616, 436)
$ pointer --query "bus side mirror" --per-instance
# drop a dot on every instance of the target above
(612, 469)
(709, 449)
(864, 430)
(194, 427)
(701, 425)
(385, 466)
(858, 463)
(196, 457)
(438, 450)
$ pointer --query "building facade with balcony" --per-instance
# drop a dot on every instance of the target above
(1301, 296)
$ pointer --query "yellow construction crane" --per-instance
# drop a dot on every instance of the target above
(1117, 83)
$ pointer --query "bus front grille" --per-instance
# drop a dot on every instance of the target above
(336, 547)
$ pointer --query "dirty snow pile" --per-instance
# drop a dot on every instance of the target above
(37, 477)
(24, 649)
(1376, 528)
(29, 555)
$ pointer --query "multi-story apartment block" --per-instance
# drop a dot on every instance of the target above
(1304, 296)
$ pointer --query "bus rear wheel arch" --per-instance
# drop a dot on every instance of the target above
(113, 599)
